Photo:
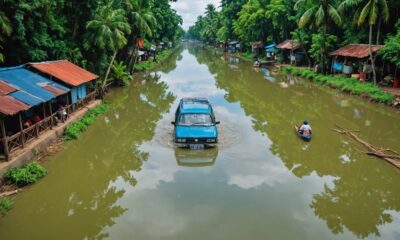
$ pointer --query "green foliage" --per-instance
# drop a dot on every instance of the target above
(350, 85)
(391, 50)
(150, 64)
(28, 174)
(120, 75)
(72, 131)
(247, 56)
(5, 205)
(321, 44)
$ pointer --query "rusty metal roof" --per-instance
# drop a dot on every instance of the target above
(66, 72)
(6, 88)
(355, 50)
(10, 106)
(289, 44)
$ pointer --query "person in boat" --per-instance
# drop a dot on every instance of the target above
(305, 129)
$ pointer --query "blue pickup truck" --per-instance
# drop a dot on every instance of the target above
(195, 124)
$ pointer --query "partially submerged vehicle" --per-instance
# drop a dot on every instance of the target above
(195, 124)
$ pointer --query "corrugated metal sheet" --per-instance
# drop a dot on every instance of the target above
(6, 88)
(10, 106)
(355, 50)
(289, 44)
(66, 72)
(55, 90)
(27, 98)
(31, 83)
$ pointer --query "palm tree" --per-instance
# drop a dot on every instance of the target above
(318, 13)
(107, 31)
(5, 30)
(368, 11)
(142, 20)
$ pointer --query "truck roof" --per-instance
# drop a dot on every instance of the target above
(195, 105)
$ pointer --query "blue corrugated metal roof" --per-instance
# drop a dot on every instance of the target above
(271, 46)
(31, 83)
(27, 98)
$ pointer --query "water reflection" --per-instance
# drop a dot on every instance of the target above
(200, 158)
(364, 189)
(84, 201)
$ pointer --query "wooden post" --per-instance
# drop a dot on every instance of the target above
(21, 128)
(51, 116)
(5, 143)
(44, 114)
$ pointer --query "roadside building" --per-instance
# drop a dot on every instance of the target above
(290, 52)
(27, 102)
(81, 82)
(257, 48)
(354, 60)
(270, 52)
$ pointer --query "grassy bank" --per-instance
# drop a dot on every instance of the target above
(247, 56)
(350, 85)
(150, 64)
(17, 177)
(72, 131)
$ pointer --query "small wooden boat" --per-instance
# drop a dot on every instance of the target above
(304, 137)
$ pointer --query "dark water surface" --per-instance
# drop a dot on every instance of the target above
(123, 179)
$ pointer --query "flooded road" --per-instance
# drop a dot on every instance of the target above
(123, 179)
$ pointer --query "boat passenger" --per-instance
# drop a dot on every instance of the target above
(305, 129)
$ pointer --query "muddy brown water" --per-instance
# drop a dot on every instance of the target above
(124, 179)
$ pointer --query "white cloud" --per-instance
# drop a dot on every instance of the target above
(191, 9)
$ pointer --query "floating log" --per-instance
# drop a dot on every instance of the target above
(388, 155)
(6, 194)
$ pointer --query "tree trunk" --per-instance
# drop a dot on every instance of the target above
(378, 30)
(371, 57)
(109, 69)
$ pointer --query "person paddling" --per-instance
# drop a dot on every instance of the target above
(305, 129)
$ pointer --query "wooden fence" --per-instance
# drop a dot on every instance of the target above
(18, 140)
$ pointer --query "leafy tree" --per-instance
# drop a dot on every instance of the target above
(391, 51)
(142, 21)
(6, 30)
(108, 30)
(120, 74)
(319, 14)
(369, 12)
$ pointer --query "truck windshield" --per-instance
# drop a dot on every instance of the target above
(194, 119)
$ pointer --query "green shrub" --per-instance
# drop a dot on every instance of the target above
(5, 205)
(72, 131)
(346, 84)
(28, 174)
(150, 64)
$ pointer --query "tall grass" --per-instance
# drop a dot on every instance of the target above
(5, 205)
(72, 131)
(346, 84)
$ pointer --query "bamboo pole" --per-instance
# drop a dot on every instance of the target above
(388, 155)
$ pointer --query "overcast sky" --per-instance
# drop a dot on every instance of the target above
(190, 9)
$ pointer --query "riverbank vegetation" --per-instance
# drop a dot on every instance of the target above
(318, 26)
(72, 131)
(350, 85)
(5, 205)
(92, 34)
(153, 63)
(25, 175)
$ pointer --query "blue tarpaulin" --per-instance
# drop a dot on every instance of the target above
(31, 84)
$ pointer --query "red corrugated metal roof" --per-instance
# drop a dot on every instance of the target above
(54, 90)
(66, 72)
(289, 44)
(6, 88)
(355, 50)
(10, 106)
